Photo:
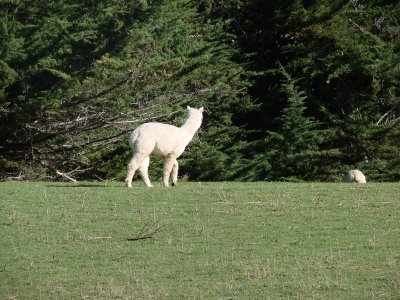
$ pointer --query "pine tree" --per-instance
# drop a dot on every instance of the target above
(89, 72)
(60, 85)
(293, 148)
(347, 53)
(76, 78)
(197, 55)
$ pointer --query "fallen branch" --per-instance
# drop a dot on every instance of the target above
(139, 238)
(145, 233)
(21, 176)
(66, 176)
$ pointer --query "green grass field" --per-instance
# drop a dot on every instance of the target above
(209, 241)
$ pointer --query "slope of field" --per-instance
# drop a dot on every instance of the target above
(200, 240)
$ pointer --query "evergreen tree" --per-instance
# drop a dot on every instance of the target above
(76, 78)
(196, 53)
(347, 53)
(62, 83)
(293, 148)
(89, 72)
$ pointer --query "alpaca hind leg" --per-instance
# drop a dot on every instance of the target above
(133, 165)
(143, 169)
(168, 164)
(174, 173)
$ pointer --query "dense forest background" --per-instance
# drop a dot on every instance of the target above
(293, 90)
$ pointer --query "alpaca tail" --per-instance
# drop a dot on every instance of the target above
(133, 138)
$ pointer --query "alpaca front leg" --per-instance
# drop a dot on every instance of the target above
(143, 169)
(168, 165)
(174, 173)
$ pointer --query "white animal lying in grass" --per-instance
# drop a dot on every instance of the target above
(164, 140)
(354, 176)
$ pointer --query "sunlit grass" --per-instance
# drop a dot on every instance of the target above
(208, 241)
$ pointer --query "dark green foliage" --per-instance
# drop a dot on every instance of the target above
(85, 71)
(293, 147)
(347, 55)
(66, 78)
(76, 78)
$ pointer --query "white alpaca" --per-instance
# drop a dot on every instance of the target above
(164, 140)
(354, 175)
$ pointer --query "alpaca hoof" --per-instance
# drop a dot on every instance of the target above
(128, 184)
(173, 183)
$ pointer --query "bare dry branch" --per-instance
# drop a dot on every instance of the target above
(147, 232)
(58, 141)
(66, 176)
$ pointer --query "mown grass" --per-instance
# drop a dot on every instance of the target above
(214, 241)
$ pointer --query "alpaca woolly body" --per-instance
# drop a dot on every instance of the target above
(160, 139)
(164, 140)
(354, 176)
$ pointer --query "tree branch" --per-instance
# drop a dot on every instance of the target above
(66, 176)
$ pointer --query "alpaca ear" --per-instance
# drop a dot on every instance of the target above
(188, 107)
(201, 109)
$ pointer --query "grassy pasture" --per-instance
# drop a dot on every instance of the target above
(213, 241)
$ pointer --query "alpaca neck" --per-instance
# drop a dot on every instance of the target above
(191, 125)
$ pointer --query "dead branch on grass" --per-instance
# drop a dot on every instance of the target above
(66, 176)
(146, 232)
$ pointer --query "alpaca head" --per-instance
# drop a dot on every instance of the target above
(196, 113)
(195, 118)
(192, 109)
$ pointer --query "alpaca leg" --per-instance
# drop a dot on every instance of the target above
(143, 169)
(168, 165)
(174, 173)
(133, 165)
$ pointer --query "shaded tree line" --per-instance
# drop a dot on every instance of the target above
(294, 90)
